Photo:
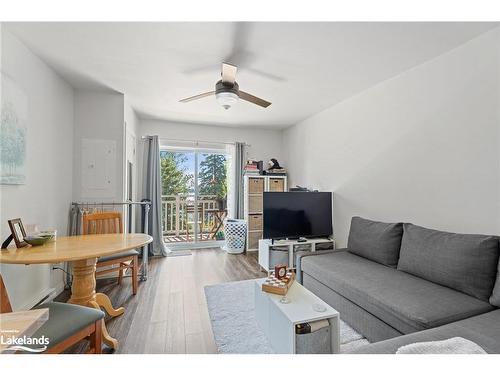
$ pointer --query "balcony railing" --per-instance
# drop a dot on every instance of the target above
(178, 211)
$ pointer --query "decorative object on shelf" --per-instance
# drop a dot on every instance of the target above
(280, 271)
(274, 168)
(260, 166)
(278, 286)
(273, 164)
(17, 233)
(252, 167)
(219, 236)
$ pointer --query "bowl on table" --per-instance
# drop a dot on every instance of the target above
(37, 240)
(51, 233)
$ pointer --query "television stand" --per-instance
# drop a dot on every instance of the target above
(272, 252)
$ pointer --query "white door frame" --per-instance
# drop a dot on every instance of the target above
(196, 243)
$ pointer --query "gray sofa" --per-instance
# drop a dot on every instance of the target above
(400, 283)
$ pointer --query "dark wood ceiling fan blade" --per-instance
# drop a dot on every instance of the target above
(199, 96)
(253, 99)
(229, 73)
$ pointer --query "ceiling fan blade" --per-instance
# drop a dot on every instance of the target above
(228, 73)
(253, 99)
(199, 96)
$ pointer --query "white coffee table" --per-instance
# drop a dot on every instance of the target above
(278, 320)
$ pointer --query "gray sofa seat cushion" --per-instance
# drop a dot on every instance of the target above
(495, 295)
(403, 301)
(375, 240)
(465, 262)
(127, 253)
(482, 329)
(66, 319)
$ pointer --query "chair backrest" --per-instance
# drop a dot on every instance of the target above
(5, 306)
(102, 223)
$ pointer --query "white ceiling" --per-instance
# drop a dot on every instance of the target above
(302, 68)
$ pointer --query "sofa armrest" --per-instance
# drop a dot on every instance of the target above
(303, 254)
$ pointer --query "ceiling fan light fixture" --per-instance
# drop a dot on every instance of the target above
(226, 99)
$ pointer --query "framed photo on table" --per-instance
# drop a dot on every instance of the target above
(18, 232)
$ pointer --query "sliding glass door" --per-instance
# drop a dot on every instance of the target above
(194, 195)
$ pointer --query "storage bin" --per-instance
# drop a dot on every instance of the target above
(276, 184)
(324, 246)
(255, 185)
(278, 255)
(255, 222)
(318, 342)
(255, 203)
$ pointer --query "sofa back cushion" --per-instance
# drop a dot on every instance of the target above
(375, 240)
(495, 295)
(464, 262)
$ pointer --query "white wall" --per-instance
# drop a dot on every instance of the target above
(45, 198)
(265, 144)
(422, 147)
(131, 143)
(99, 116)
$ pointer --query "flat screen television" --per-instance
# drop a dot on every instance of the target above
(297, 214)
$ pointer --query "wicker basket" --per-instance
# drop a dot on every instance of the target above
(235, 232)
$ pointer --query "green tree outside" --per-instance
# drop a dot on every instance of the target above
(212, 175)
(174, 176)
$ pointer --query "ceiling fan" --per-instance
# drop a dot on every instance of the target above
(227, 91)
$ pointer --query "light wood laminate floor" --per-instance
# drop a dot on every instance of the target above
(169, 313)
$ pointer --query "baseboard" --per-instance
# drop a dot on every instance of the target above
(193, 246)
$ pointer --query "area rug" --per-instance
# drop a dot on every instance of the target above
(231, 310)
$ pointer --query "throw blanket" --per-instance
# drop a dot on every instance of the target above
(455, 345)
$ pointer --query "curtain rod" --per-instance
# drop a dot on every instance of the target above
(193, 141)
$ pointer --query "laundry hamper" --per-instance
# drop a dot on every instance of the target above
(235, 232)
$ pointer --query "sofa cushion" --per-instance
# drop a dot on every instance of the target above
(375, 240)
(405, 302)
(495, 295)
(482, 329)
(465, 262)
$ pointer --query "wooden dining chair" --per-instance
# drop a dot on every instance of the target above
(111, 222)
(67, 325)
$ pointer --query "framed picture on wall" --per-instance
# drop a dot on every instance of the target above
(18, 232)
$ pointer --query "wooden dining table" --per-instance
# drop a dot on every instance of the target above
(82, 252)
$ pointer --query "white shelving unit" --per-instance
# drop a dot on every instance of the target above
(291, 246)
(254, 188)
